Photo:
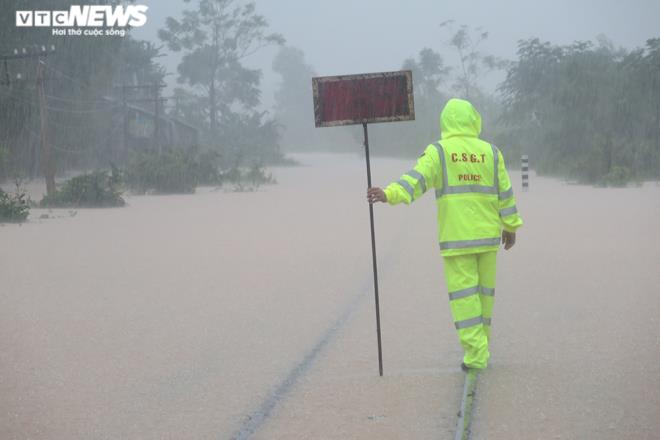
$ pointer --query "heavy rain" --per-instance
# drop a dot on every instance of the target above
(189, 250)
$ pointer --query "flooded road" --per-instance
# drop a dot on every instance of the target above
(250, 315)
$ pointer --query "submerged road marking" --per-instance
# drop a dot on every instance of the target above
(257, 418)
(465, 413)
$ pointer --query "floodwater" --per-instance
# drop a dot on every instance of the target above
(250, 315)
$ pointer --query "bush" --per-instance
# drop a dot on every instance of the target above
(14, 208)
(619, 176)
(249, 180)
(172, 172)
(180, 172)
(93, 190)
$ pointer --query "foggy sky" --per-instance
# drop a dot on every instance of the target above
(346, 36)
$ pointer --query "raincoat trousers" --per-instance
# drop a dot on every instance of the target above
(475, 202)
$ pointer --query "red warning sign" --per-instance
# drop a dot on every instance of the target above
(364, 98)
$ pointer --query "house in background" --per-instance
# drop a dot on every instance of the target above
(135, 128)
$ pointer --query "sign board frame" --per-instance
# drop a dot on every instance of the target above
(371, 87)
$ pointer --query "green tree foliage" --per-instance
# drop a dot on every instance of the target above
(215, 38)
(584, 111)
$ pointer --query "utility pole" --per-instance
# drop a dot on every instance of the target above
(124, 123)
(7, 81)
(46, 152)
(156, 91)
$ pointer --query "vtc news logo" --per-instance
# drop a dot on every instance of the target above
(85, 16)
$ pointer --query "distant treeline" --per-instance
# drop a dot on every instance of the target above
(587, 112)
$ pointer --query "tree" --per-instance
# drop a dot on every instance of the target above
(293, 101)
(429, 73)
(214, 38)
(138, 64)
(472, 63)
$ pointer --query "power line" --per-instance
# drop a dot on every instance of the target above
(70, 78)
(59, 109)
(79, 101)
(64, 110)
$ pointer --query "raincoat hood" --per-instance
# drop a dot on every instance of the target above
(459, 118)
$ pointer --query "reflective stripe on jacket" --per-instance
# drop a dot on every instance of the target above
(472, 187)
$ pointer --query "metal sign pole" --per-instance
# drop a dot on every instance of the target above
(373, 250)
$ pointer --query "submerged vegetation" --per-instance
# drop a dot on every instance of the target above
(249, 179)
(182, 171)
(98, 189)
(171, 172)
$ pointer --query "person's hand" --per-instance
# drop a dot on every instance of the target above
(508, 239)
(375, 194)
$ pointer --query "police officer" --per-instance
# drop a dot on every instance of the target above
(476, 212)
